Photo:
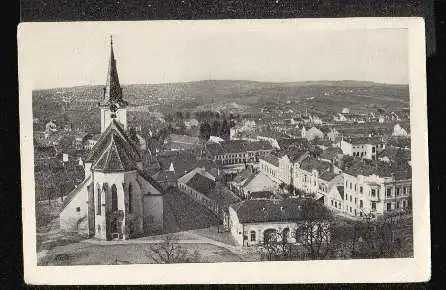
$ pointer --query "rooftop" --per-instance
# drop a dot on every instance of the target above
(271, 159)
(312, 163)
(201, 183)
(268, 210)
(237, 146)
(331, 153)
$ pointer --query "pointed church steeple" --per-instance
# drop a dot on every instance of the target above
(113, 90)
(113, 106)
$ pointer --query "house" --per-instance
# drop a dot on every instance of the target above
(362, 147)
(215, 139)
(253, 221)
(376, 189)
(236, 152)
(313, 133)
(251, 180)
(400, 131)
(269, 165)
(90, 141)
(116, 200)
(203, 188)
(345, 111)
(332, 154)
(181, 142)
(307, 174)
(395, 154)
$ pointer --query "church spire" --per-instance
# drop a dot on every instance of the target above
(113, 90)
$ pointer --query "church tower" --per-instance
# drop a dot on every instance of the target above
(113, 106)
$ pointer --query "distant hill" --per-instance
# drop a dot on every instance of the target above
(234, 94)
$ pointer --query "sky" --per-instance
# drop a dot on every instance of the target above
(72, 54)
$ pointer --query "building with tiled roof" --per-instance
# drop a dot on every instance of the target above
(237, 151)
(181, 142)
(377, 188)
(254, 220)
(202, 186)
(118, 198)
(362, 147)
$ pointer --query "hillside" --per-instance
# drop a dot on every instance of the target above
(232, 95)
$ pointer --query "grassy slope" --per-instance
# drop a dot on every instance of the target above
(326, 95)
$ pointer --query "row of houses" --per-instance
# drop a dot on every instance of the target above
(361, 188)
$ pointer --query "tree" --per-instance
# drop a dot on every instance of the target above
(225, 129)
(215, 131)
(376, 238)
(170, 251)
(205, 130)
(314, 233)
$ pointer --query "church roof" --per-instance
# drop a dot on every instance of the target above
(104, 141)
(113, 90)
(115, 158)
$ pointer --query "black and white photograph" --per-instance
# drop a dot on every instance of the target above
(297, 147)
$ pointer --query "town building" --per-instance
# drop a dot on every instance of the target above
(181, 142)
(237, 151)
(377, 188)
(116, 200)
(253, 221)
(362, 147)
(202, 187)
(250, 181)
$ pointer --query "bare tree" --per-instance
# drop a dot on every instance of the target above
(376, 238)
(314, 233)
(170, 251)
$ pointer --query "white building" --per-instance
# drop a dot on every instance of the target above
(254, 221)
(376, 190)
(399, 131)
(363, 147)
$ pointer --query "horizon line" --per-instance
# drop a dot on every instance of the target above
(229, 80)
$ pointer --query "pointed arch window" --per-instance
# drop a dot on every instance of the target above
(114, 198)
(99, 201)
(130, 198)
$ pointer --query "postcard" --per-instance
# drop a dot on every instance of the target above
(224, 151)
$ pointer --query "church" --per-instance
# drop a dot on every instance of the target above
(116, 200)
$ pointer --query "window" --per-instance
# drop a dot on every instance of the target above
(356, 200)
(355, 188)
(373, 192)
(130, 198)
(373, 205)
(373, 149)
(114, 198)
(360, 203)
(360, 189)
(350, 198)
(350, 209)
(389, 206)
(253, 236)
(78, 209)
(331, 202)
(404, 190)
(397, 204)
(389, 192)
(350, 185)
(397, 191)
(99, 202)
(404, 204)
(336, 204)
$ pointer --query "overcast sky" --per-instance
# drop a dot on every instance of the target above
(77, 54)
